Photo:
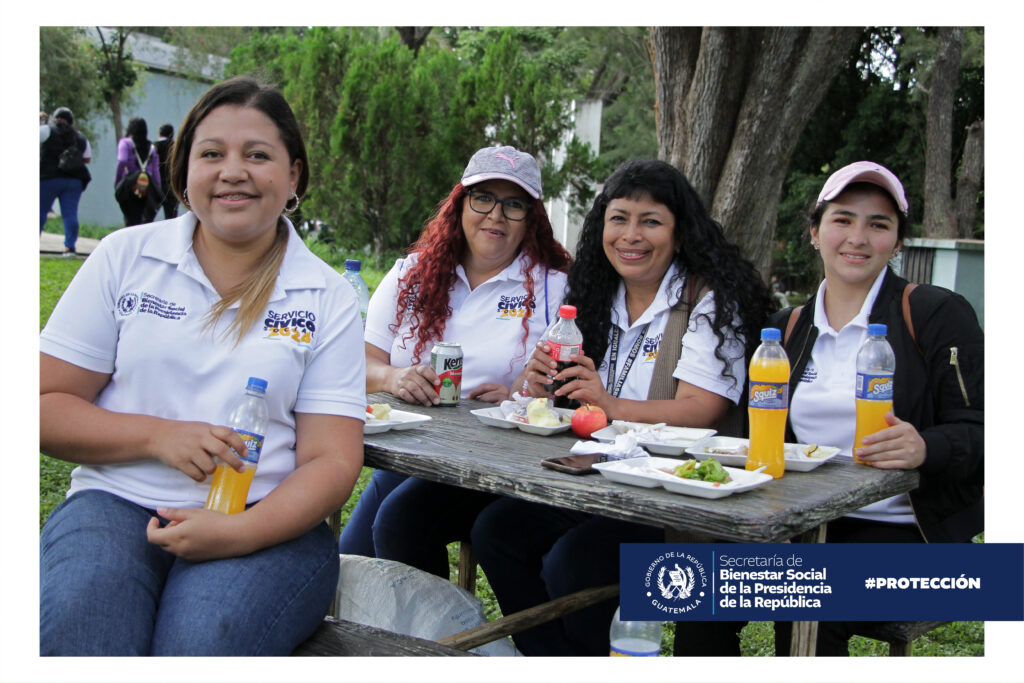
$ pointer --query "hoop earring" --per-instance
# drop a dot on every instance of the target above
(184, 199)
(291, 209)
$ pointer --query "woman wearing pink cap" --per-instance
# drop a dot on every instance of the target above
(937, 423)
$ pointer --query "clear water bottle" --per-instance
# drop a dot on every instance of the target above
(876, 364)
(634, 638)
(248, 416)
(565, 339)
(352, 274)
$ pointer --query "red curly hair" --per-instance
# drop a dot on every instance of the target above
(423, 290)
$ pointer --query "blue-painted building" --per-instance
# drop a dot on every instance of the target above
(166, 92)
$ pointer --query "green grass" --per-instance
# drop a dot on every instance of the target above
(95, 232)
(958, 639)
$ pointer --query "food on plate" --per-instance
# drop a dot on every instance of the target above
(588, 419)
(737, 450)
(702, 470)
(539, 413)
(378, 411)
(809, 449)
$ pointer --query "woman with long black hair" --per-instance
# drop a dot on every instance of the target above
(669, 312)
(136, 154)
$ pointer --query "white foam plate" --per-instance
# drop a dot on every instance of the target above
(674, 441)
(644, 472)
(717, 447)
(397, 419)
(493, 417)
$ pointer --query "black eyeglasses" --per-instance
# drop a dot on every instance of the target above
(513, 208)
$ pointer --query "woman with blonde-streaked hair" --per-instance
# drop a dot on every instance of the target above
(157, 333)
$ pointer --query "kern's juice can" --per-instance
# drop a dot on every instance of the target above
(767, 410)
(874, 400)
(446, 361)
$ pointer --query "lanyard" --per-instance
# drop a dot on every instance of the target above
(614, 355)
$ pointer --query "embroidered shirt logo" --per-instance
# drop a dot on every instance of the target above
(143, 302)
(514, 307)
(298, 326)
(810, 373)
(650, 348)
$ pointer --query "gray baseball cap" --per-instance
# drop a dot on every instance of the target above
(504, 163)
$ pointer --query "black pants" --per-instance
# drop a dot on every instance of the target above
(834, 636)
(532, 553)
(170, 204)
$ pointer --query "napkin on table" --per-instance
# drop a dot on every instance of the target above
(624, 446)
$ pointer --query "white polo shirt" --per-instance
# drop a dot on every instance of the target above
(823, 409)
(486, 321)
(697, 362)
(136, 309)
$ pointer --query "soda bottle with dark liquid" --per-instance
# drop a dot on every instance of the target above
(565, 339)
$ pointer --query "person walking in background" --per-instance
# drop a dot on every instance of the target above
(138, 165)
(63, 155)
(164, 144)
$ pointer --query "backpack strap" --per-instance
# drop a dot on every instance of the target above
(663, 384)
(907, 318)
(142, 164)
(791, 323)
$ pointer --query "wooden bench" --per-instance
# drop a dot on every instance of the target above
(899, 634)
(340, 638)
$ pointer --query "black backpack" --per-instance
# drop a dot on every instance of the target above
(71, 159)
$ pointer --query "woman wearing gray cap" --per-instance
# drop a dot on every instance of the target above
(486, 272)
(936, 425)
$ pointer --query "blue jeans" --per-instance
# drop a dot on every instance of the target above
(105, 590)
(418, 520)
(68, 191)
(532, 553)
(357, 536)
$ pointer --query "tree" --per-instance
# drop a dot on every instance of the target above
(618, 71)
(968, 188)
(68, 73)
(117, 72)
(939, 218)
(413, 37)
(731, 104)
(389, 129)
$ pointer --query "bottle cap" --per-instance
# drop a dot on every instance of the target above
(257, 384)
(877, 330)
(771, 334)
(353, 264)
(567, 311)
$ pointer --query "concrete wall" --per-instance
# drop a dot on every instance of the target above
(164, 98)
(958, 265)
(565, 222)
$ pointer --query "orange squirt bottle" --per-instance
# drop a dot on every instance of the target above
(249, 418)
(768, 405)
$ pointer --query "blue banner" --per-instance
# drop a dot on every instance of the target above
(822, 581)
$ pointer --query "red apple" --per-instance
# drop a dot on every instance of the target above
(588, 419)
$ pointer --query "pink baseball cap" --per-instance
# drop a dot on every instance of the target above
(864, 172)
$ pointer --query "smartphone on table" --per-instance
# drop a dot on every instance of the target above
(575, 464)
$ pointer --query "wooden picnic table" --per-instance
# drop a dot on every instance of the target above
(456, 448)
